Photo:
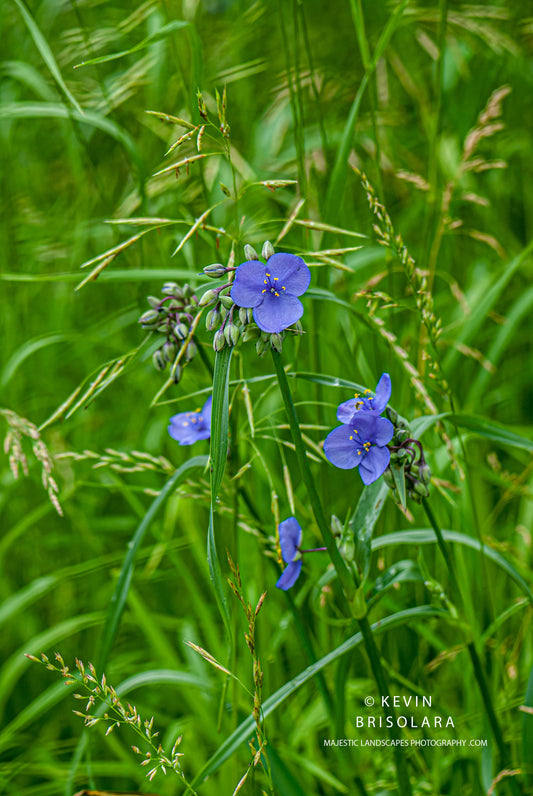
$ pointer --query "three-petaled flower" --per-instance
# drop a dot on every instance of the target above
(290, 539)
(361, 443)
(366, 402)
(272, 290)
(189, 427)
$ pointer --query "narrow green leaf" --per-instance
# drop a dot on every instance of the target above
(46, 53)
(491, 430)
(399, 479)
(527, 726)
(427, 536)
(400, 572)
(118, 600)
(246, 729)
(162, 33)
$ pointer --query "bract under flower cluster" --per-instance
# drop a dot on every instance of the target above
(362, 439)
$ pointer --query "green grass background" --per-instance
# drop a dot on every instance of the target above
(312, 89)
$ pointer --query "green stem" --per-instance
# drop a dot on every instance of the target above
(338, 562)
(343, 573)
(472, 651)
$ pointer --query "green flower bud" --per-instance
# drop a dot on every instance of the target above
(176, 372)
(421, 489)
(231, 333)
(219, 341)
(215, 270)
(336, 526)
(250, 333)
(267, 251)
(243, 316)
(425, 473)
(392, 414)
(250, 253)
(208, 298)
(170, 351)
(154, 302)
(261, 346)
(181, 330)
(192, 350)
(227, 302)
(213, 319)
(399, 435)
(149, 317)
(159, 360)
(187, 290)
(359, 607)
(265, 337)
(172, 289)
(276, 341)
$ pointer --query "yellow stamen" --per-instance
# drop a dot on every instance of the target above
(276, 294)
(263, 291)
(268, 274)
(276, 278)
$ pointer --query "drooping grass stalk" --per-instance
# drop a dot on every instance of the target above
(472, 651)
(404, 785)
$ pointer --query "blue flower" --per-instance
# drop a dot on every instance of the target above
(366, 402)
(361, 444)
(189, 427)
(272, 290)
(290, 539)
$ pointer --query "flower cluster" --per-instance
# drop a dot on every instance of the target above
(363, 438)
(173, 318)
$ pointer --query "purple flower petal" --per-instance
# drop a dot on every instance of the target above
(276, 313)
(290, 271)
(290, 575)
(248, 284)
(290, 538)
(347, 410)
(188, 427)
(383, 431)
(374, 464)
(341, 449)
(383, 393)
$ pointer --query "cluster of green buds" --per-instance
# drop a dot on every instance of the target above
(172, 317)
(407, 457)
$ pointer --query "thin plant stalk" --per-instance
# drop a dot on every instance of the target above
(402, 776)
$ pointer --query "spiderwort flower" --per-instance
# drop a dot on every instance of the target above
(290, 539)
(189, 427)
(366, 402)
(272, 290)
(361, 443)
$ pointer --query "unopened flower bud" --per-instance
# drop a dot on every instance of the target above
(215, 270)
(243, 316)
(172, 289)
(392, 414)
(231, 333)
(261, 346)
(154, 302)
(250, 333)
(219, 341)
(192, 350)
(425, 473)
(267, 251)
(170, 351)
(213, 319)
(421, 489)
(187, 290)
(227, 302)
(250, 253)
(175, 372)
(336, 525)
(159, 360)
(149, 317)
(208, 298)
(276, 341)
(181, 330)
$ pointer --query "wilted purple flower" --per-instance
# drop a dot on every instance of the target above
(366, 402)
(189, 427)
(361, 443)
(290, 539)
(272, 290)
